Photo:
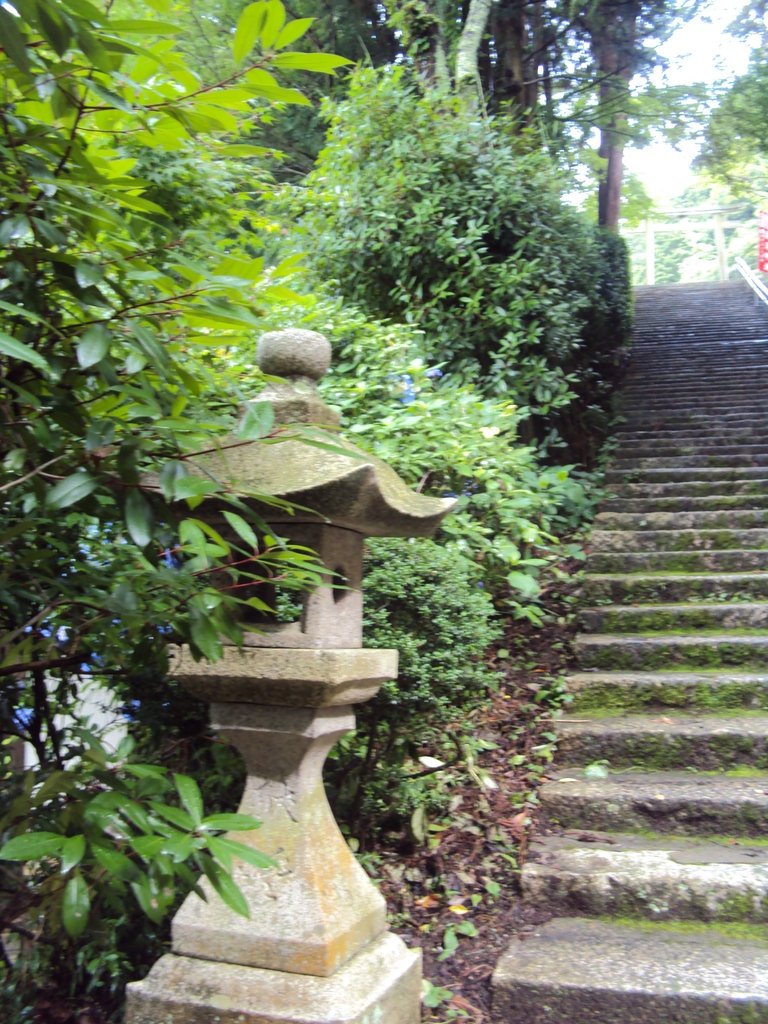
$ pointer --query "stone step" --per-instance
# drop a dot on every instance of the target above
(678, 540)
(688, 390)
(678, 802)
(704, 408)
(654, 618)
(660, 879)
(666, 651)
(623, 464)
(673, 449)
(659, 691)
(715, 434)
(735, 561)
(577, 971)
(733, 504)
(685, 474)
(704, 422)
(757, 487)
(615, 588)
(666, 741)
(699, 519)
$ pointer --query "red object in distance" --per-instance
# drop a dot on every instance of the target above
(762, 241)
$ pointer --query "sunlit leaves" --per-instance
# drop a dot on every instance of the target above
(321, 62)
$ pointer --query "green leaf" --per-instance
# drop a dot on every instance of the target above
(9, 346)
(71, 490)
(189, 791)
(325, 63)
(226, 888)
(138, 26)
(93, 345)
(145, 771)
(293, 30)
(146, 897)
(242, 529)
(135, 813)
(75, 906)
(114, 862)
(524, 583)
(248, 29)
(231, 822)
(148, 847)
(178, 847)
(224, 849)
(273, 23)
(72, 852)
(175, 815)
(54, 28)
(193, 487)
(32, 846)
(171, 473)
(138, 517)
(257, 422)
(14, 43)
(264, 84)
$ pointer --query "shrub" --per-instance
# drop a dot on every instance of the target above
(428, 602)
(424, 213)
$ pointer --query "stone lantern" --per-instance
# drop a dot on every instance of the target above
(316, 949)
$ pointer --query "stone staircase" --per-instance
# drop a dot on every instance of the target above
(654, 859)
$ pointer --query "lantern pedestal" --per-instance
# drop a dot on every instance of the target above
(380, 985)
(315, 948)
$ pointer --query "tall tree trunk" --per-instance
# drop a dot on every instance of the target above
(509, 33)
(468, 84)
(613, 35)
(421, 24)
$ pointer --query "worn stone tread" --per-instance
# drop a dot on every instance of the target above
(755, 486)
(616, 587)
(682, 519)
(728, 560)
(681, 539)
(636, 691)
(678, 802)
(666, 740)
(606, 973)
(658, 878)
(683, 616)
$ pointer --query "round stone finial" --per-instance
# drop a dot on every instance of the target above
(294, 353)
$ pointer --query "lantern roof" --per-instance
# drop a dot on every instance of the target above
(307, 462)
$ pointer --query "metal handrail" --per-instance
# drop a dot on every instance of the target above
(754, 282)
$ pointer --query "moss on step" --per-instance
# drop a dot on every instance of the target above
(737, 931)
(664, 752)
(612, 699)
(655, 621)
(626, 656)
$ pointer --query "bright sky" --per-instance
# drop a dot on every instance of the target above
(699, 52)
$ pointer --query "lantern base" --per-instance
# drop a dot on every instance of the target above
(382, 983)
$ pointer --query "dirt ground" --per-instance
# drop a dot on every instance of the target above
(457, 895)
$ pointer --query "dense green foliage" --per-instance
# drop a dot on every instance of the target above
(125, 254)
(427, 602)
(736, 148)
(421, 212)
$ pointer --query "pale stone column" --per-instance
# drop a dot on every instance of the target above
(315, 949)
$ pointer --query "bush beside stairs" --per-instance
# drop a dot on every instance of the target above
(654, 859)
